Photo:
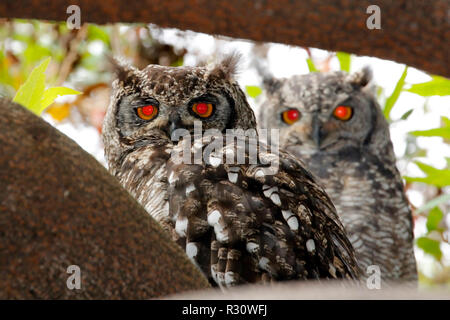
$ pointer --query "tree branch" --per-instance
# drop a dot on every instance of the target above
(415, 32)
(60, 207)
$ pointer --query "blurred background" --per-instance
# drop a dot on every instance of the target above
(416, 104)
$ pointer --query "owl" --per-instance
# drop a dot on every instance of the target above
(239, 218)
(334, 124)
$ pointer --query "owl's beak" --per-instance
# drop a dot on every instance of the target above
(317, 133)
(174, 124)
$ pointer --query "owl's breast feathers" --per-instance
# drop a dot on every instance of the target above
(368, 192)
(243, 223)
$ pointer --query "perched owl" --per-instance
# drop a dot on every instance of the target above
(333, 123)
(237, 220)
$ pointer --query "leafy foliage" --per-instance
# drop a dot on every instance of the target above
(98, 33)
(33, 95)
(430, 246)
(443, 131)
(311, 66)
(344, 60)
(390, 102)
(438, 86)
(434, 203)
(436, 177)
(253, 91)
(406, 115)
(434, 219)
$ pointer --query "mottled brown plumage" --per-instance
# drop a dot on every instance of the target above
(239, 221)
(353, 158)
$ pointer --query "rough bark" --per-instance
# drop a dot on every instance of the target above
(415, 32)
(60, 207)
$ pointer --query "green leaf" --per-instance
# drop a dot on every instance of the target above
(380, 92)
(98, 33)
(178, 63)
(436, 177)
(419, 153)
(434, 203)
(426, 168)
(253, 91)
(438, 132)
(311, 66)
(344, 60)
(390, 102)
(445, 121)
(407, 114)
(52, 93)
(22, 37)
(90, 61)
(438, 86)
(443, 132)
(434, 218)
(34, 53)
(430, 246)
(30, 93)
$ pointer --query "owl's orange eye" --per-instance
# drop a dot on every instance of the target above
(290, 116)
(147, 112)
(203, 109)
(343, 113)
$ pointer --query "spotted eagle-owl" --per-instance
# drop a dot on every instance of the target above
(334, 124)
(238, 223)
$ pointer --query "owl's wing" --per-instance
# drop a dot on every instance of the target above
(240, 223)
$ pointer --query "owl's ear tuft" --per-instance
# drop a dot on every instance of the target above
(122, 70)
(271, 85)
(361, 78)
(227, 68)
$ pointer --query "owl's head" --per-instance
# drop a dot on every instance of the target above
(323, 111)
(148, 105)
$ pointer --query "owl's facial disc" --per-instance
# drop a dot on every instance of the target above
(321, 112)
(325, 128)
